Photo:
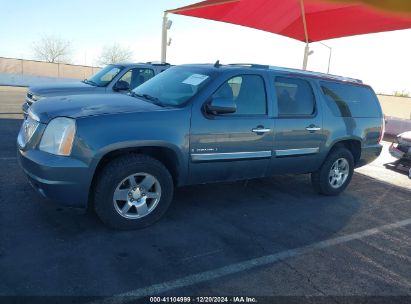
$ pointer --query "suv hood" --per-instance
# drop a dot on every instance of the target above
(89, 105)
(62, 87)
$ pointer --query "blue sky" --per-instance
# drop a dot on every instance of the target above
(86, 23)
(382, 60)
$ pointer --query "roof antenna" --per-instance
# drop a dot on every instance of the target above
(217, 64)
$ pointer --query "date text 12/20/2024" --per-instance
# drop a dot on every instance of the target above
(238, 299)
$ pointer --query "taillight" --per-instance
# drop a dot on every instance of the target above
(382, 129)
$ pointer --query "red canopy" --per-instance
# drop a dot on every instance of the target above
(324, 20)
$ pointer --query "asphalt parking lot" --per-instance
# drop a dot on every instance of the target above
(269, 237)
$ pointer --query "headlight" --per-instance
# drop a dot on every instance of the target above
(27, 130)
(33, 97)
(36, 97)
(59, 136)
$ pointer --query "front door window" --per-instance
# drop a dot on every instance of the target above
(136, 77)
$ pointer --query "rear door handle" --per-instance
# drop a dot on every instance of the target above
(313, 128)
(261, 130)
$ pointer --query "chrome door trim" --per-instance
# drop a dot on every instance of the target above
(312, 129)
(230, 156)
(262, 130)
(296, 152)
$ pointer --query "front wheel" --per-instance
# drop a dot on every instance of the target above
(335, 174)
(133, 192)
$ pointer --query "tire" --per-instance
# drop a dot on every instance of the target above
(119, 202)
(325, 184)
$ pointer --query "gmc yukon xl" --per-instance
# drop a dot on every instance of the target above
(123, 155)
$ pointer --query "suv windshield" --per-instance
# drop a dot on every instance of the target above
(173, 87)
(104, 76)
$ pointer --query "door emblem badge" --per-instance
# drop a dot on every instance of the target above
(205, 150)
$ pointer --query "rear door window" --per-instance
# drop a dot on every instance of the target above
(347, 100)
(295, 97)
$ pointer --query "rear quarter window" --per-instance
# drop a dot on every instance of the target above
(346, 100)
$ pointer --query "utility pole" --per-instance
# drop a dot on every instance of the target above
(307, 53)
(307, 43)
(166, 26)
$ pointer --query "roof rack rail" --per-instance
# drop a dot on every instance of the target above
(251, 65)
(157, 63)
(296, 71)
(316, 74)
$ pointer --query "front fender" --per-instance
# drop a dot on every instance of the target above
(99, 135)
(181, 161)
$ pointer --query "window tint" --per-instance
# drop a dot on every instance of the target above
(135, 77)
(346, 100)
(248, 92)
(126, 77)
(295, 97)
(105, 76)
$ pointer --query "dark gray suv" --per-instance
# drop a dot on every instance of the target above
(123, 155)
(114, 78)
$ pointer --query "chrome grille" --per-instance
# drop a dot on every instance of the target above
(29, 98)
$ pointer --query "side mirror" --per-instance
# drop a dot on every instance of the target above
(221, 105)
(121, 85)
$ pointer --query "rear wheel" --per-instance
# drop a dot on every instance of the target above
(335, 174)
(133, 192)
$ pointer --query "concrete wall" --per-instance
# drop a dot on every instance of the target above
(20, 72)
(397, 111)
(393, 106)
(18, 80)
(45, 69)
(395, 126)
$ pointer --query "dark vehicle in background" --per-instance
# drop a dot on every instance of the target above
(114, 78)
(123, 155)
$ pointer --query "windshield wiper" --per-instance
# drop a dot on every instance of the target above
(148, 97)
(90, 82)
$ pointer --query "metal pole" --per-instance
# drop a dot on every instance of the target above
(306, 54)
(164, 39)
(307, 46)
(329, 61)
(329, 57)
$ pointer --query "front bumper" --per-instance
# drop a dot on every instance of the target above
(395, 152)
(58, 178)
(399, 154)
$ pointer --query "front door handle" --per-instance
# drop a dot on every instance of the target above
(261, 130)
(313, 128)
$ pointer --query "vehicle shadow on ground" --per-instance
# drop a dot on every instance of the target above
(207, 226)
(399, 167)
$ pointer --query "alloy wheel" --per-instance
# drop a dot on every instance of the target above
(137, 195)
(339, 173)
